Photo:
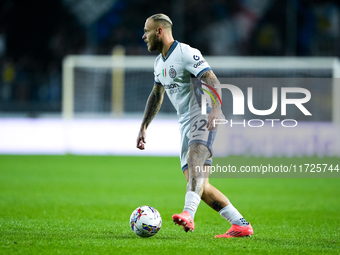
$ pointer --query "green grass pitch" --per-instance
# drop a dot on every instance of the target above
(82, 204)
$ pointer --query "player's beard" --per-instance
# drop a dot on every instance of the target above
(154, 43)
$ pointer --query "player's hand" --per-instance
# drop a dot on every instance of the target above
(141, 139)
(216, 113)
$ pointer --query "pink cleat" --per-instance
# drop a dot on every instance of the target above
(237, 231)
(184, 219)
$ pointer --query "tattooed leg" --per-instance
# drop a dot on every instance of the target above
(197, 155)
(214, 198)
(211, 196)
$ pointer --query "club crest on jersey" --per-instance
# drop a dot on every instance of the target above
(172, 72)
(164, 72)
(196, 57)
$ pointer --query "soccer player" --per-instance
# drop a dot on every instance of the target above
(173, 69)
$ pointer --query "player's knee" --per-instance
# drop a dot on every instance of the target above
(192, 159)
(195, 158)
(197, 154)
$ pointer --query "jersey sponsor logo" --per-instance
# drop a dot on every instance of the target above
(172, 72)
(196, 57)
(199, 63)
(172, 88)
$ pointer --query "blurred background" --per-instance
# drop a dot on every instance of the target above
(36, 35)
(39, 79)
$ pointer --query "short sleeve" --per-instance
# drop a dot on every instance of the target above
(194, 62)
(157, 82)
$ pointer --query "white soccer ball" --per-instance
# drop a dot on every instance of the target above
(145, 221)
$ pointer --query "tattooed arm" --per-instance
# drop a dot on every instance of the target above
(210, 78)
(151, 109)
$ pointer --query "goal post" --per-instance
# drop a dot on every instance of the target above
(336, 92)
(91, 83)
(118, 81)
(67, 87)
(96, 63)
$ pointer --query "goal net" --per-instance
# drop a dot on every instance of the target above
(120, 85)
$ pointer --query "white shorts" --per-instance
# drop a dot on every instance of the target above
(195, 131)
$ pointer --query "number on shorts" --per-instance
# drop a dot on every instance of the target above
(201, 128)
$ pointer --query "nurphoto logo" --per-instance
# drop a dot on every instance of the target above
(239, 102)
